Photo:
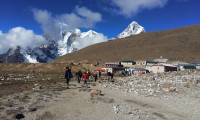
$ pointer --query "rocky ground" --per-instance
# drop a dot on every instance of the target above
(34, 96)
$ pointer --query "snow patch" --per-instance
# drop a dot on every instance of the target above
(29, 59)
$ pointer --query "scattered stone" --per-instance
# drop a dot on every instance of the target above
(116, 108)
(130, 113)
(10, 105)
(19, 116)
(32, 109)
(169, 88)
(37, 87)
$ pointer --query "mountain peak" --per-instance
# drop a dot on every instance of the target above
(77, 31)
(133, 29)
(133, 23)
(89, 33)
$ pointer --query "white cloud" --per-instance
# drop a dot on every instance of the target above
(82, 17)
(86, 41)
(48, 24)
(89, 17)
(19, 36)
(130, 8)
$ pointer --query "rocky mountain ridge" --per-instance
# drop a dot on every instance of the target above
(47, 52)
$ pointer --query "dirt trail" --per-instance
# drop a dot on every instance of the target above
(50, 100)
(114, 105)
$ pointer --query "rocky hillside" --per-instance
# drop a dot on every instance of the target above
(176, 44)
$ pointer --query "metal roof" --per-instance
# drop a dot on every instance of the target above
(152, 62)
(196, 63)
(161, 60)
(187, 65)
(162, 64)
(127, 61)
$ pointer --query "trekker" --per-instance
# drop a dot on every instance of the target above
(88, 73)
(68, 76)
(79, 76)
(129, 73)
(99, 74)
(112, 75)
(123, 73)
(85, 77)
(108, 76)
(95, 76)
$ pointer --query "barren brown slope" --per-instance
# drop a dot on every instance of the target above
(176, 44)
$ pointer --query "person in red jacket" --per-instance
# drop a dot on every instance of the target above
(85, 77)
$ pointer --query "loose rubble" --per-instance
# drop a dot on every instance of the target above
(155, 84)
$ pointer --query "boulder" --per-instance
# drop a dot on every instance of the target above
(95, 92)
(168, 87)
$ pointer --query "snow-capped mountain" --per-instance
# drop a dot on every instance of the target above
(133, 29)
(89, 33)
(66, 45)
(69, 42)
(49, 51)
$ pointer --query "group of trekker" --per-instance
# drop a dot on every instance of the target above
(81, 76)
(84, 75)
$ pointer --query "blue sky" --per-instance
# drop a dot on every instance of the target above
(115, 15)
(23, 22)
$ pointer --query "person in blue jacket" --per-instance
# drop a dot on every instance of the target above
(68, 76)
(79, 76)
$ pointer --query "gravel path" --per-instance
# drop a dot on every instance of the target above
(128, 98)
